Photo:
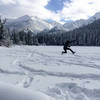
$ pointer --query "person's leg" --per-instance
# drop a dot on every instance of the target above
(65, 50)
(71, 50)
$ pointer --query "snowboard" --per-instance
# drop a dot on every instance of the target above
(66, 52)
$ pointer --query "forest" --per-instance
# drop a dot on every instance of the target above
(85, 36)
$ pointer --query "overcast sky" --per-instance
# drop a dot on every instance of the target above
(58, 10)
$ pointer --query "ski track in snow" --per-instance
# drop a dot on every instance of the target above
(46, 62)
(10, 72)
(59, 74)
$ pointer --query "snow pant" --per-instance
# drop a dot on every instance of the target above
(69, 50)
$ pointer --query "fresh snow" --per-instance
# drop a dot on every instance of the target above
(45, 72)
(10, 92)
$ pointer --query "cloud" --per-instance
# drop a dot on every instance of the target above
(80, 9)
(17, 8)
(73, 10)
(6, 2)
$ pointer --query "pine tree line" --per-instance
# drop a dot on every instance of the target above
(86, 36)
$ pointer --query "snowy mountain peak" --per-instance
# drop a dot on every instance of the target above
(97, 15)
(36, 24)
(32, 23)
(24, 17)
(27, 17)
(79, 23)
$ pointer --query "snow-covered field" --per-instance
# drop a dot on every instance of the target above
(45, 70)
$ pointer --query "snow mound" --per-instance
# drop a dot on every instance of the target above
(9, 92)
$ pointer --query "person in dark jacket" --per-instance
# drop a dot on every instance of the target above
(67, 46)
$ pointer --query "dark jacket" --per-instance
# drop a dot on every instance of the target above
(67, 44)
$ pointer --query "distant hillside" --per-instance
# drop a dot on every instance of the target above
(86, 35)
(52, 33)
(36, 24)
(79, 23)
(26, 22)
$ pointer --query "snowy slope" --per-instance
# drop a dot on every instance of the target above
(75, 24)
(28, 22)
(79, 23)
(56, 26)
(54, 23)
(95, 17)
(44, 69)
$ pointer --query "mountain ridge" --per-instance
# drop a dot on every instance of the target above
(36, 24)
(79, 23)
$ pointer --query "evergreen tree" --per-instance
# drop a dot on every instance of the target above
(4, 34)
